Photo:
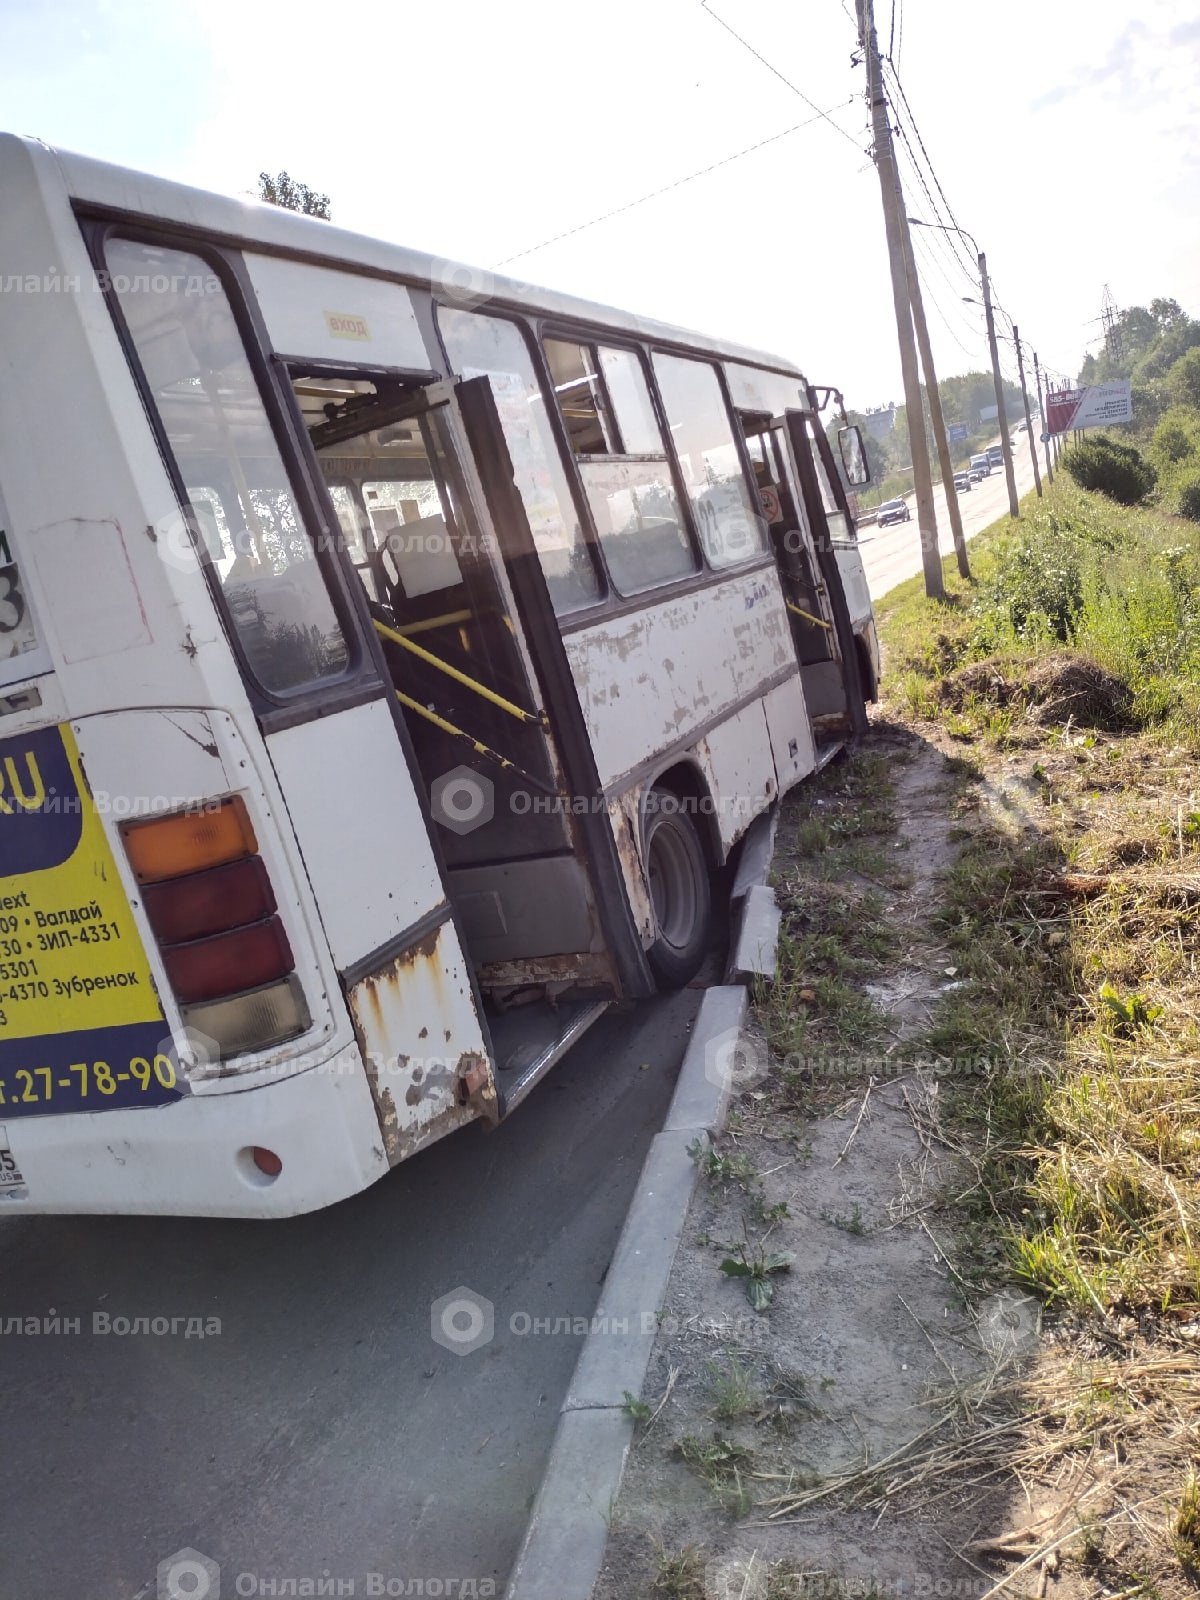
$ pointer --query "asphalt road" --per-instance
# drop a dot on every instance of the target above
(892, 554)
(323, 1432)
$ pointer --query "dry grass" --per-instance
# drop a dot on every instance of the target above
(1090, 1444)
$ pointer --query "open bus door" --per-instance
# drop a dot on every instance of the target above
(422, 484)
(780, 452)
(803, 459)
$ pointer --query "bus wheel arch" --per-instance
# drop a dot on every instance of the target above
(680, 858)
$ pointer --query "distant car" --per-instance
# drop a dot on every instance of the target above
(894, 511)
(962, 482)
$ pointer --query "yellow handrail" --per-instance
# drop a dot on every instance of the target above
(808, 616)
(477, 745)
(482, 689)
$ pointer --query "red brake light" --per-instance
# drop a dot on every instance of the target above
(208, 902)
(208, 897)
(227, 963)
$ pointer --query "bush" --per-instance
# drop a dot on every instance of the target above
(1189, 500)
(1175, 436)
(1116, 470)
(1183, 380)
(1036, 588)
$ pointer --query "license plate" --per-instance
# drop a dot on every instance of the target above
(12, 1183)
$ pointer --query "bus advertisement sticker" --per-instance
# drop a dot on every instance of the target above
(81, 1025)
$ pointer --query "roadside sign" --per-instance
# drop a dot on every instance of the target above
(1090, 407)
(957, 432)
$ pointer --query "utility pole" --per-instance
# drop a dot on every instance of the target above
(1001, 415)
(917, 302)
(889, 184)
(1037, 477)
(1037, 378)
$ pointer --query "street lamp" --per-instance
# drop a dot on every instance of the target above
(943, 228)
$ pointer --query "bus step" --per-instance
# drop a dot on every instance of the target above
(530, 1039)
(825, 754)
(831, 725)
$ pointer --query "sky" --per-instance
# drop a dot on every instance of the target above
(1065, 135)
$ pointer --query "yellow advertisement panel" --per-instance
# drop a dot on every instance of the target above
(81, 1026)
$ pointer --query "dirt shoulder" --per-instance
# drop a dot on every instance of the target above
(763, 1422)
(933, 1328)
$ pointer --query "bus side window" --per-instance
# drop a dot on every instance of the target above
(479, 345)
(605, 405)
(217, 427)
(730, 526)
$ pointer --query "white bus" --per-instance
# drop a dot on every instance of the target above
(390, 658)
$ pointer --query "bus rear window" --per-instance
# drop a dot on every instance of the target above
(202, 385)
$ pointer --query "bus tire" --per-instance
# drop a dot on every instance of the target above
(680, 890)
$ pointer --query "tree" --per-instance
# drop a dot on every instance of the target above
(1183, 380)
(1148, 341)
(284, 190)
(1166, 312)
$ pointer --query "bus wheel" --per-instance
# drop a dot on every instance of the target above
(680, 890)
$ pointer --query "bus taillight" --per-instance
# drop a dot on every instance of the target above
(228, 963)
(211, 906)
(186, 841)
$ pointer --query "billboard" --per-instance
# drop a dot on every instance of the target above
(989, 413)
(957, 433)
(1092, 407)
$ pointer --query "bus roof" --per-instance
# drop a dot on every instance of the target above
(273, 229)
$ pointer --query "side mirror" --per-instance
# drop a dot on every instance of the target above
(854, 456)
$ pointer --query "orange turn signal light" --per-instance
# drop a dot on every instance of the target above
(187, 841)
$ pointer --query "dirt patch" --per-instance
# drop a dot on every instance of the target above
(758, 1426)
(1059, 688)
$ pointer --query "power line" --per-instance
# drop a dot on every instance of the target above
(935, 261)
(758, 56)
(965, 325)
(940, 233)
(908, 111)
(970, 355)
(678, 183)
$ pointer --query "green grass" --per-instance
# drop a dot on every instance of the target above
(1118, 586)
(834, 930)
(734, 1390)
(1070, 1042)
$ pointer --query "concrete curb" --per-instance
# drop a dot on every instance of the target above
(563, 1547)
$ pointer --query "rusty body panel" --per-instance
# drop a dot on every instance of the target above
(422, 1044)
(590, 972)
(648, 680)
